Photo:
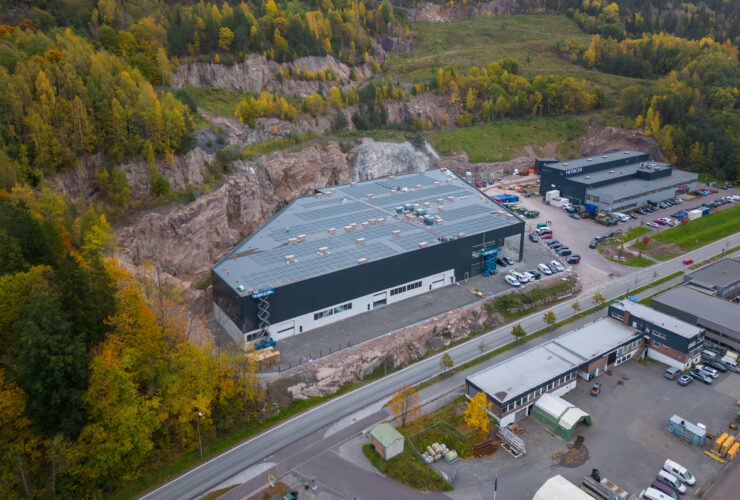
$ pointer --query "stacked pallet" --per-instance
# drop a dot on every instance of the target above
(486, 448)
(264, 358)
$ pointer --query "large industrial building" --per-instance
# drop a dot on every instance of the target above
(615, 182)
(720, 278)
(352, 248)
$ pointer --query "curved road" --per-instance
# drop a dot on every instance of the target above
(202, 478)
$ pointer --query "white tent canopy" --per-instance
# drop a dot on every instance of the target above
(559, 488)
(566, 414)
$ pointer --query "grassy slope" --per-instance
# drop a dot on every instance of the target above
(701, 231)
(495, 141)
(479, 41)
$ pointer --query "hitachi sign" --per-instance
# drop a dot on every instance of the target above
(573, 171)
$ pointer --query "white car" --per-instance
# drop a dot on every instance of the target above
(544, 269)
(679, 471)
(511, 280)
(521, 278)
(557, 266)
(652, 224)
(529, 276)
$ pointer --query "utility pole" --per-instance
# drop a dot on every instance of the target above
(200, 444)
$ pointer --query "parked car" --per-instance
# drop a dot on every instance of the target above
(551, 243)
(534, 238)
(573, 259)
(680, 472)
(509, 261)
(536, 274)
(556, 266)
(593, 244)
(660, 222)
(546, 236)
(655, 494)
(565, 251)
(512, 281)
(574, 215)
(700, 375)
(652, 224)
(671, 480)
(519, 277)
(596, 389)
(688, 261)
(684, 380)
(545, 269)
(665, 489)
(672, 373)
(557, 246)
(500, 262)
(708, 370)
(716, 365)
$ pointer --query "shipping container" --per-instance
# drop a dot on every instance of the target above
(549, 195)
(695, 214)
(704, 211)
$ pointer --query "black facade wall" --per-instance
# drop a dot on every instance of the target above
(345, 285)
(227, 299)
(673, 340)
(675, 312)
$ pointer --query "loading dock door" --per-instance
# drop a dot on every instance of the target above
(612, 358)
(286, 330)
(438, 283)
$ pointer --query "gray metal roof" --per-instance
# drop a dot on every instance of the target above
(355, 211)
(526, 371)
(589, 161)
(634, 185)
(722, 273)
(715, 313)
(646, 313)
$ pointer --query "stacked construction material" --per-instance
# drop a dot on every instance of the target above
(264, 358)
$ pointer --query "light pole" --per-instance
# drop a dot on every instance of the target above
(200, 444)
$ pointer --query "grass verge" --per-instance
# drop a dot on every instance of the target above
(699, 232)
(213, 495)
(408, 469)
(495, 141)
(634, 261)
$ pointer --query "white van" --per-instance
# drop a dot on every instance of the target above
(672, 481)
(622, 217)
(655, 494)
(708, 370)
(710, 355)
(679, 471)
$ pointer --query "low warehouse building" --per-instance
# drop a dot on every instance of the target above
(615, 182)
(513, 386)
(387, 440)
(558, 415)
(717, 317)
(357, 247)
(559, 488)
(721, 278)
(669, 340)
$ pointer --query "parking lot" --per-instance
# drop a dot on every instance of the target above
(627, 441)
(594, 269)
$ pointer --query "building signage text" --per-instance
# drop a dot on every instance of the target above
(573, 171)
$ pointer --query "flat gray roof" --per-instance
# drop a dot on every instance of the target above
(362, 210)
(722, 273)
(635, 185)
(588, 161)
(530, 369)
(719, 312)
(656, 317)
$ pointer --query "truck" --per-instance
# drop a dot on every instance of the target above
(549, 195)
(599, 487)
(558, 202)
(695, 214)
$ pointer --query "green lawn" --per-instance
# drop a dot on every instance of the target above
(705, 230)
(497, 140)
(530, 39)
(408, 469)
(630, 235)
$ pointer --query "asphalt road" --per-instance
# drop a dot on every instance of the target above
(200, 479)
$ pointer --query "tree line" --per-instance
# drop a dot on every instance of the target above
(101, 375)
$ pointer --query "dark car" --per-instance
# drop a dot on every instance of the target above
(557, 246)
(551, 243)
(534, 238)
(574, 215)
(573, 259)
(536, 274)
(508, 261)
(716, 365)
(663, 488)
(596, 389)
(564, 251)
(703, 376)
(500, 262)
(684, 380)
(593, 244)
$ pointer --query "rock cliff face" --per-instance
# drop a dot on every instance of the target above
(426, 106)
(188, 239)
(267, 129)
(186, 170)
(256, 73)
(600, 140)
(442, 13)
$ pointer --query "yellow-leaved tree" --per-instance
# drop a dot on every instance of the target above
(405, 404)
(476, 415)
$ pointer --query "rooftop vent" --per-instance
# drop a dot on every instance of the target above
(319, 195)
(439, 220)
(441, 208)
(440, 201)
(332, 230)
(301, 237)
(418, 186)
(369, 196)
(411, 217)
(450, 198)
(588, 177)
(361, 241)
(509, 216)
(391, 176)
(354, 225)
(423, 244)
(323, 250)
(381, 220)
(396, 233)
(292, 241)
(589, 159)
(348, 228)
(353, 184)
(461, 235)
(436, 183)
(240, 288)
(427, 204)
(603, 156)
(289, 258)
(365, 225)
(626, 152)
(611, 171)
(333, 190)
(449, 181)
(362, 260)
(394, 191)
